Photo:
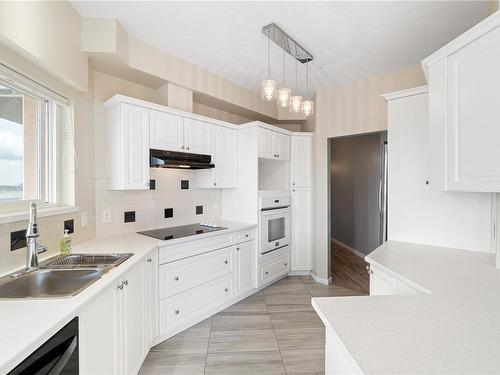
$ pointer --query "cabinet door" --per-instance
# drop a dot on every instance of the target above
(166, 131)
(99, 334)
(381, 283)
(151, 296)
(135, 143)
(266, 144)
(197, 136)
(134, 320)
(245, 266)
(282, 146)
(225, 173)
(301, 229)
(473, 130)
(301, 161)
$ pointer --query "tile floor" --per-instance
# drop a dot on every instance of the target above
(274, 331)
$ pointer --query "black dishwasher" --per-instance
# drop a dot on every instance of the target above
(58, 355)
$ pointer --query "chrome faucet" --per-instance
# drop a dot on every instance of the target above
(32, 244)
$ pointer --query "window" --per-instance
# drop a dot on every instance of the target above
(36, 145)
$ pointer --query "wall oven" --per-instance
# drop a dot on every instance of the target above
(274, 221)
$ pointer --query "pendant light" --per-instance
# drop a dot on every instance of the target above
(296, 100)
(269, 87)
(284, 94)
(307, 105)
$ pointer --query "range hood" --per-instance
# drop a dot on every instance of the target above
(179, 160)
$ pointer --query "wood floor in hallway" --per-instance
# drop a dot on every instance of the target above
(274, 331)
(348, 270)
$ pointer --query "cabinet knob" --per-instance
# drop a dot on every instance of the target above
(278, 155)
(293, 183)
(225, 262)
(149, 260)
(369, 270)
(237, 249)
(182, 147)
(286, 264)
(267, 272)
(187, 147)
(176, 278)
(293, 190)
(119, 286)
(215, 183)
(226, 290)
(246, 235)
(125, 282)
(176, 312)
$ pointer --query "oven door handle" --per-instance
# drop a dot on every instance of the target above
(61, 363)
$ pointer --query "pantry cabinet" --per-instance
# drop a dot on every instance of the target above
(128, 147)
(273, 145)
(225, 158)
(464, 114)
(301, 222)
(301, 160)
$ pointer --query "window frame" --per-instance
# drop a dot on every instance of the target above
(51, 174)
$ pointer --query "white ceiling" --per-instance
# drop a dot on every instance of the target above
(349, 40)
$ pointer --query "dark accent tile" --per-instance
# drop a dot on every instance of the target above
(152, 184)
(129, 216)
(199, 210)
(17, 239)
(69, 225)
(169, 212)
(184, 184)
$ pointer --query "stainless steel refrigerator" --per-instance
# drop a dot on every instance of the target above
(358, 181)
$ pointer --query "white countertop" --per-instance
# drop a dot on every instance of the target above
(25, 324)
(453, 330)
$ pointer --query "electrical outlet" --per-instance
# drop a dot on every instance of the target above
(84, 219)
(106, 216)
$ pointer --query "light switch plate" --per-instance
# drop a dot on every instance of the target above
(106, 216)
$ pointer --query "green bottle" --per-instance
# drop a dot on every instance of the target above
(66, 243)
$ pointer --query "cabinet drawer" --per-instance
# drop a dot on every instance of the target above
(187, 306)
(176, 277)
(275, 269)
(273, 255)
(244, 235)
(188, 249)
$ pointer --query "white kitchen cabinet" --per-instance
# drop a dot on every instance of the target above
(97, 334)
(464, 114)
(338, 360)
(151, 297)
(245, 267)
(166, 131)
(274, 269)
(301, 160)
(273, 145)
(113, 327)
(225, 158)
(197, 136)
(381, 283)
(301, 223)
(128, 147)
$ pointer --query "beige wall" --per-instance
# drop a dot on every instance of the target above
(49, 35)
(354, 108)
(205, 110)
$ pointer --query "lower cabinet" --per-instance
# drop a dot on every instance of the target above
(113, 326)
(245, 258)
(338, 360)
(381, 283)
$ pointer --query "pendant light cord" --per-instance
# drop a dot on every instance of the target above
(296, 79)
(284, 85)
(307, 80)
(269, 54)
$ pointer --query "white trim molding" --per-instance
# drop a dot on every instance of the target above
(348, 248)
(405, 93)
(321, 280)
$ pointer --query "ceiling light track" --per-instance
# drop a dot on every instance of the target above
(286, 42)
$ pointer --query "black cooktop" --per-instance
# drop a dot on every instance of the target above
(180, 231)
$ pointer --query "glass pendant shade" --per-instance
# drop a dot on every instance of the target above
(308, 107)
(284, 95)
(296, 104)
(269, 89)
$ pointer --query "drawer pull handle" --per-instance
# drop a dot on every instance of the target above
(119, 286)
(176, 312)
(237, 249)
(226, 262)
(226, 290)
(176, 278)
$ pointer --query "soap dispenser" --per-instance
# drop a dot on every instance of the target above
(66, 243)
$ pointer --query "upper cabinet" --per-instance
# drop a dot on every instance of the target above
(225, 158)
(197, 136)
(464, 110)
(128, 147)
(166, 131)
(273, 145)
(301, 160)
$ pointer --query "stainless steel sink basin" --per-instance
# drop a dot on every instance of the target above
(47, 283)
(87, 261)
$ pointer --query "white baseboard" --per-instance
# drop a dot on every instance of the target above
(348, 248)
(299, 273)
(321, 280)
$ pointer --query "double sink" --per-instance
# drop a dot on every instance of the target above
(60, 276)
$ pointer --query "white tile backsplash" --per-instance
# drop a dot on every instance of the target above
(149, 205)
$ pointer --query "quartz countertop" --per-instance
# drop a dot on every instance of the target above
(25, 324)
(454, 329)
